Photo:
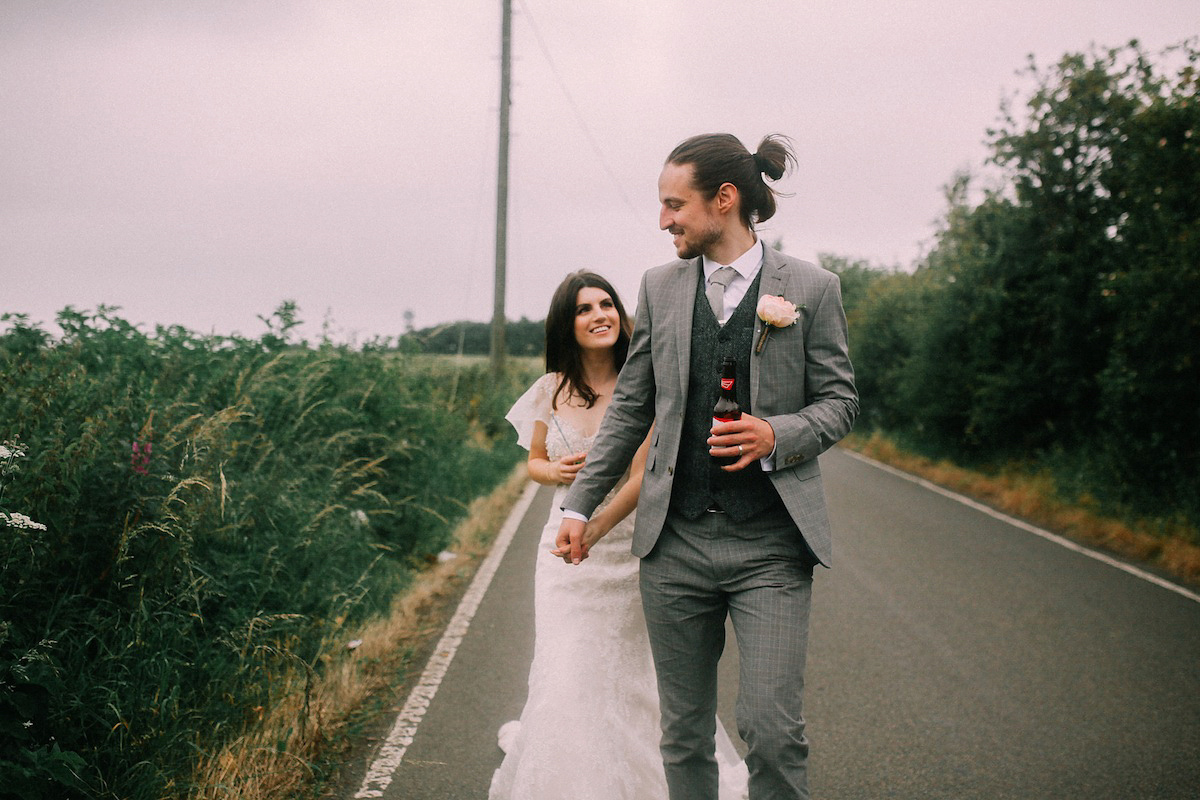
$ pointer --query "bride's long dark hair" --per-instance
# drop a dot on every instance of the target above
(562, 351)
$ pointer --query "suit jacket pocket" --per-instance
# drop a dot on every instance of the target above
(807, 471)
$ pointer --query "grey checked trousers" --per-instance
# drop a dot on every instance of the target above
(759, 573)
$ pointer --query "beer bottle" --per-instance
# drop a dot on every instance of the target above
(727, 409)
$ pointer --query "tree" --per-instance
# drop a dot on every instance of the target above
(979, 384)
(875, 300)
(522, 337)
(1150, 385)
(882, 329)
(1062, 312)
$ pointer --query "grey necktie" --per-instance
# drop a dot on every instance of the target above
(716, 290)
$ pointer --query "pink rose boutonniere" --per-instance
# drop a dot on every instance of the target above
(775, 312)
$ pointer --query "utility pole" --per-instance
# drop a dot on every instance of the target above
(498, 320)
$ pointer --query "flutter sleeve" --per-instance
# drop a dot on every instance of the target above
(531, 407)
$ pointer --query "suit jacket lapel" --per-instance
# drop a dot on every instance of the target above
(684, 300)
(772, 283)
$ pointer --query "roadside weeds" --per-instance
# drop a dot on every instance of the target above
(294, 750)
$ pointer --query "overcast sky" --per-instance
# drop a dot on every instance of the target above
(198, 163)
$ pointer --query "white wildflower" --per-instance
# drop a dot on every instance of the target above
(15, 520)
(11, 450)
(359, 516)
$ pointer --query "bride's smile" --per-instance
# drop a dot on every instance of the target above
(596, 319)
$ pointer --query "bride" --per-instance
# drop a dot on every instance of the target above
(592, 679)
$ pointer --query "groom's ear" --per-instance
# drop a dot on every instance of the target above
(727, 199)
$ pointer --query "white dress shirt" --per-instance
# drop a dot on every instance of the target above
(746, 266)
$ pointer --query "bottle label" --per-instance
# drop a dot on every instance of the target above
(718, 420)
(726, 383)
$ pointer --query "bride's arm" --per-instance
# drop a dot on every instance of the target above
(549, 472)
(623, 502)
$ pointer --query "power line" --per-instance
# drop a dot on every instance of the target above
(537, 35)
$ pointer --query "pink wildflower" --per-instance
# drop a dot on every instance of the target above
(140, 460)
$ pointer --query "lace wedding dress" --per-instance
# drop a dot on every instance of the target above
(590, 726)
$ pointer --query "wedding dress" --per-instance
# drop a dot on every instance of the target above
(590, 726)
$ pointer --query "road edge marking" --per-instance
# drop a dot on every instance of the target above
(391, 752)
(1025, 526)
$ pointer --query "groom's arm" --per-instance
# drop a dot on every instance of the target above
(780, 441)
(620, 507)
(831, 398)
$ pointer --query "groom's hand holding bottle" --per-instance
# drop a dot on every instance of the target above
(741, 442)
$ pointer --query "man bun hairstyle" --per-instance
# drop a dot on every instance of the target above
(720, 158)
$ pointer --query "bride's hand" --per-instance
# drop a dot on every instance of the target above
(568, 466)
(593, 532)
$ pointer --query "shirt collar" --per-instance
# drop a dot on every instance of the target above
(746, 264)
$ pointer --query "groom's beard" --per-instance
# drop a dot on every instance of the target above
(690, 248)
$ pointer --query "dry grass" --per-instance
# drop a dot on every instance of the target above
(1166, 543)
(275, 758)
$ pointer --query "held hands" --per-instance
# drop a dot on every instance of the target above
(569, 544)
(570, 537)
(747, 439)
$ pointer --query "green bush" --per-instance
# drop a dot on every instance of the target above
(213, 506)
(1057, 320)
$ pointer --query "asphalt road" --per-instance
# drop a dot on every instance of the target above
(952, 655)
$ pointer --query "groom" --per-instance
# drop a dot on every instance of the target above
(739, 540)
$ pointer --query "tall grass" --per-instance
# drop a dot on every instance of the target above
(217, 508)
(301, 746)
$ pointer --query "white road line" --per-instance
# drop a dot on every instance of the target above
(391, 753)
(1025, 526)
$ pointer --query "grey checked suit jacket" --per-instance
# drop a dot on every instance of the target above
(802, 383)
